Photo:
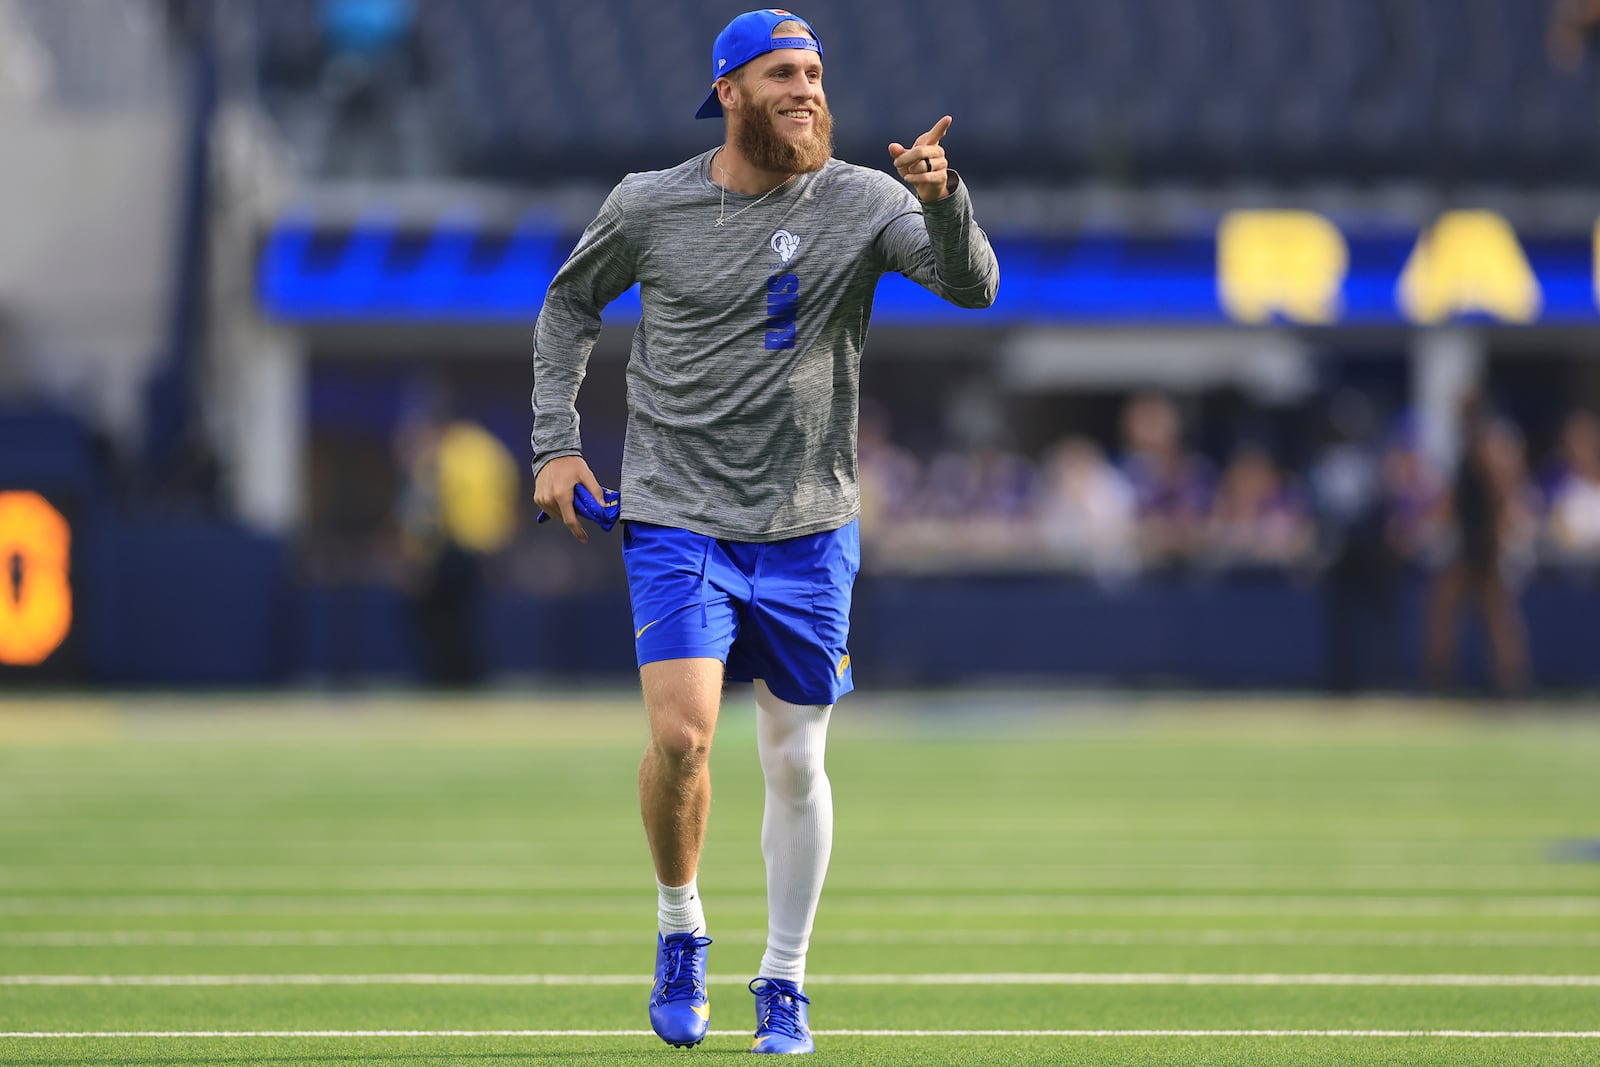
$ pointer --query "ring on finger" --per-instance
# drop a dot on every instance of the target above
(929, 161)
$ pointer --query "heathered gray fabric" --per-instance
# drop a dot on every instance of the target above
(726, 436)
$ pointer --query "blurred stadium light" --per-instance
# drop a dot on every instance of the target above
(255, 249)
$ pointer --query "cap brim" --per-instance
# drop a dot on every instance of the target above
(712, 108)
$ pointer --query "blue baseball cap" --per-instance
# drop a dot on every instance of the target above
(745, 38)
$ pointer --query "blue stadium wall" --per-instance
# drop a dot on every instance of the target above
(1252, 632)
(177, 602)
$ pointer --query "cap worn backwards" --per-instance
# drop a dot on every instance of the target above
(745, 38)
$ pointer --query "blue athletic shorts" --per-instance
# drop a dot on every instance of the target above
(778, 611)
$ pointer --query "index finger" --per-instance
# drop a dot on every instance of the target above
(935, 135)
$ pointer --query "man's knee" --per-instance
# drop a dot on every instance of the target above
(681, 737)
(682, 698)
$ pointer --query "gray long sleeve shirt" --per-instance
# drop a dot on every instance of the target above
(744, 373)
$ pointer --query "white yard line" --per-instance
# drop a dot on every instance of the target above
(469, 938)
(1082, 978)
(1478, 1034)
(1081, 877)
(842, 902)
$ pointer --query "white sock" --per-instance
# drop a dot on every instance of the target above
(678, 909)
(796, 827)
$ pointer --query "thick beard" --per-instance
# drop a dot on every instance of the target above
(755, 138)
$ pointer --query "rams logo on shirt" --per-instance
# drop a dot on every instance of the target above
(786, 244)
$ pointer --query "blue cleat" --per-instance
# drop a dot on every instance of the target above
(781, 1022)
(680, 1010)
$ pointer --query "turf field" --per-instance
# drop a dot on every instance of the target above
(1026, 878)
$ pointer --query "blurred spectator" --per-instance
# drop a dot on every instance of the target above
(1258, 518)
(1087, 514)
(972, 508)
(1356, 550)
(1172, 487)
(890, 476)
(1574, 25)
(1363, 511)
(458, 505)
(372, 61)
(1575, 497)
(1005, 483)
(1413, 499)
(1489, 527)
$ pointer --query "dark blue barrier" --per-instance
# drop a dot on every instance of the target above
(1225, 632)
(1047, 627)
(176, 602)
(580, 636)
(48, 451)
(1564, 631)
(352, 631)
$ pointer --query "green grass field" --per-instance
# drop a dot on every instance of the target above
(1024, 878)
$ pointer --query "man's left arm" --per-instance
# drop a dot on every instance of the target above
(935, 241)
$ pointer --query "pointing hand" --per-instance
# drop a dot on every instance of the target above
(923, 165)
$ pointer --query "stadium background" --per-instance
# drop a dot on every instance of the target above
(314, 749)
(261, 256)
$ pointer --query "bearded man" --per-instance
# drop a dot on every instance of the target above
(756, 263)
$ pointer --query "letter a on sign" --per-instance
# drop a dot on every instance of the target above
(1280, 264)
(1469, 261)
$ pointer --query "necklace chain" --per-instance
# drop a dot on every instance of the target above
(722, 200)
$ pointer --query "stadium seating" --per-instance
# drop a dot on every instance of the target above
(536, 91)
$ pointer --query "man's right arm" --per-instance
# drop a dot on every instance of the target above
(599, 270)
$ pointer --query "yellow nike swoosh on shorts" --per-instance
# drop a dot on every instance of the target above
(645, 627)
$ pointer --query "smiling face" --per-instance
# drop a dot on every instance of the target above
(777, 113)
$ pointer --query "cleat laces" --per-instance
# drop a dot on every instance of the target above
(679, 979)
(780, 1008)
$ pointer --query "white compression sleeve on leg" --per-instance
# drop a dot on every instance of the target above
(796, 826)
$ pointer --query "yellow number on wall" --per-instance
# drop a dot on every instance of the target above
(35, 595)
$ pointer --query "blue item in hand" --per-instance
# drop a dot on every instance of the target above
(603, 516)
